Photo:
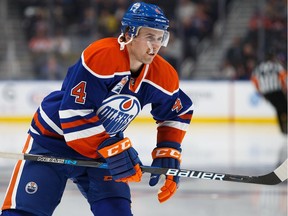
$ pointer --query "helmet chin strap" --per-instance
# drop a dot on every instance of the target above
(123, 43)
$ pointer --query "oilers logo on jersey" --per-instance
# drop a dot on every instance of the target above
(117, 112)
(31, 187)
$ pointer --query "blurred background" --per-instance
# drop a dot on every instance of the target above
(214, 45)
(210, 39)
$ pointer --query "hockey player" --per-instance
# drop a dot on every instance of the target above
(100, 96)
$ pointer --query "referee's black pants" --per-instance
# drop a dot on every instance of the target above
(279, 100)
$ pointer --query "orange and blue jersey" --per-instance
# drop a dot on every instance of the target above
(99, 99)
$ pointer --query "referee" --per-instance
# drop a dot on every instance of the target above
(270, 80)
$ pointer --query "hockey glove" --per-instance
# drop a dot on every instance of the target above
(122, 159)
(166, 155)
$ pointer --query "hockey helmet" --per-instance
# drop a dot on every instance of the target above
(141, 14)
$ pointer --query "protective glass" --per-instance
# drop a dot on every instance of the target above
(165, 38)
(163, 41)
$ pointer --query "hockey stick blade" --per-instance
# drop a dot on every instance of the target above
(277, 176)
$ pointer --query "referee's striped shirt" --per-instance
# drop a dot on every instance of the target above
(269, 76)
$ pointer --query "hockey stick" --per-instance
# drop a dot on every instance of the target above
(277, 176)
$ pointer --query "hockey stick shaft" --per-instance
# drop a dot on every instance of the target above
(277, 176)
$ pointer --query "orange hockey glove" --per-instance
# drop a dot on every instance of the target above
(166, 155)
(122, 159)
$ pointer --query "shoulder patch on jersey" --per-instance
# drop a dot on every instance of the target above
(118, 88)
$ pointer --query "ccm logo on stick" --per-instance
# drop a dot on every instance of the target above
(195, 174)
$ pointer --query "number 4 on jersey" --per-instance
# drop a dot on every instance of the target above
(79, 92)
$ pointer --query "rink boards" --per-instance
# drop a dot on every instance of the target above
(214, 101)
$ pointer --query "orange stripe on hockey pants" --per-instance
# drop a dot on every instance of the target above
(9, 194)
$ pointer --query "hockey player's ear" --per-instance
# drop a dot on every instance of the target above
(127, 37)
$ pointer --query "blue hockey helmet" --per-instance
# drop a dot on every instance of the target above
(141, 14)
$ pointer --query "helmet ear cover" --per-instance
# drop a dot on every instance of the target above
(122, 37)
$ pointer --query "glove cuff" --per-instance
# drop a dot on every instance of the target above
(166, 153)
(110, 150)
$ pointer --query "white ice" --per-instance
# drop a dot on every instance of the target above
(246, 149)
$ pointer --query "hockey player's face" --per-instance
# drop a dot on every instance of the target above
(147, 44)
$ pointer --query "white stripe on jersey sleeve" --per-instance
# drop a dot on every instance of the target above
(33, 130)
(50, 122)
(84, 133)
(174, 124)
(191, 108)
(160, 88)
(64, 114)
